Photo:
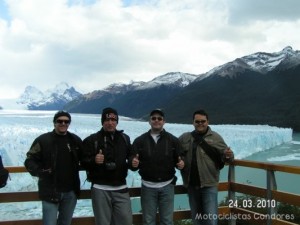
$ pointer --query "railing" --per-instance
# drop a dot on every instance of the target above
(270, 194)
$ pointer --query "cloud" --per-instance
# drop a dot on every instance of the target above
(256, 10)
(91, 44)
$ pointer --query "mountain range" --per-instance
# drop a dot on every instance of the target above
(52, 99)
(261, 88)
(135, 99)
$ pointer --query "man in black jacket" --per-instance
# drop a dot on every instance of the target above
(156, 154)
(105, 159)
(54, 157)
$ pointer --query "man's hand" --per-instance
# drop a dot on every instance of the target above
(180, 163)
(228, 154)
(99, 158)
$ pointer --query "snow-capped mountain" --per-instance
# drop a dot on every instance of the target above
(260, 62)
(51, 99)
(261, 88)
(135, 98)
(266, 62)
(175, 78)
(31, 94)
(117, 88)
(255, 89)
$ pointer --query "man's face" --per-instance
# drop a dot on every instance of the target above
(61, 124)
(110, 123)
(200, 123)
(156, 122)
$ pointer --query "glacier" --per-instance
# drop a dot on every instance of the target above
(18, 129)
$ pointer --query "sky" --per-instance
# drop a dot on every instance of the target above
(91, 44)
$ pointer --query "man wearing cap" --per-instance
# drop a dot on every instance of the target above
(156, 154)
(54, 158)
(105, 158)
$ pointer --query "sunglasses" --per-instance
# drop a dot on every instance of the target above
(200, 121)
(63, 121)
(159, 118)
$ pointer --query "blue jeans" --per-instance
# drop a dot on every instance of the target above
(157, 198)
(204, 205)
(60, 213)
(111, 207)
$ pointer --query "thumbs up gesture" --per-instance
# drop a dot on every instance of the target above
(180, 163)
(135, 161)
(99, 158)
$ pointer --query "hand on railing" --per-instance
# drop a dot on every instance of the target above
(229, 156)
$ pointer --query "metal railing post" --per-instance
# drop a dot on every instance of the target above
(271, 207)
(231, 193)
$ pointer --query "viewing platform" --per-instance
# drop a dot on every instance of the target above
(263, 210)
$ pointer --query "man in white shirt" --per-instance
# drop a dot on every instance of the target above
(156, 154)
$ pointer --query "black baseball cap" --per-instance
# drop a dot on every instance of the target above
(157, 111)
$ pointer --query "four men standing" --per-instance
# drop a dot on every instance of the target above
(106, 156)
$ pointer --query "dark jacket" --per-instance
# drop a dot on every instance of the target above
(116, 152)
(157, 160)
(42, 157)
